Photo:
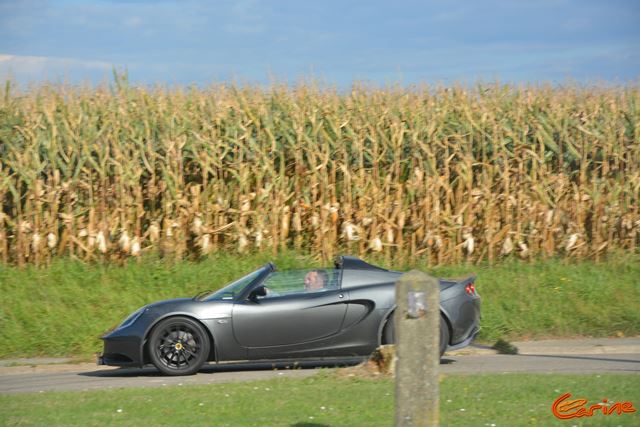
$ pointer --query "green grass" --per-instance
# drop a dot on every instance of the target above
(61, 310)
(324, 400)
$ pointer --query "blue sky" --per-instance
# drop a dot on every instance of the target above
(336, 42)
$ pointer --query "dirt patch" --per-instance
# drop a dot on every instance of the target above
(52, 369)
(381, 364)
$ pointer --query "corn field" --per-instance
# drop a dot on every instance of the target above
(446, 175)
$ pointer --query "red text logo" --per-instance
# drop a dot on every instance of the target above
(566, 408)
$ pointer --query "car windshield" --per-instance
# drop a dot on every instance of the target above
(233, 289)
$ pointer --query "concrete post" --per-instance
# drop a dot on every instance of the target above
(417, 338)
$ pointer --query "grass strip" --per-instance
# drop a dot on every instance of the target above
(325, 400)
(63, 309)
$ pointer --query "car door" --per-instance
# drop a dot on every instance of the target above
(289, 314)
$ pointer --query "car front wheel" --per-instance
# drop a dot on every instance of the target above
(178, 346)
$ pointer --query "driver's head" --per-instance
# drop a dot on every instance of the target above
(313, 281)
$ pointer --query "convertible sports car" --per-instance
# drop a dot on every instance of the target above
(295, 314)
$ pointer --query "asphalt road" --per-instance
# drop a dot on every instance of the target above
(585, 356)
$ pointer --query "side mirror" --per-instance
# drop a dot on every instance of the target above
(260, 291)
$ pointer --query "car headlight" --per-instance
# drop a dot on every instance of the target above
(132, 318)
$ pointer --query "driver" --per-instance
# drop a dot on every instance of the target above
(314, 281)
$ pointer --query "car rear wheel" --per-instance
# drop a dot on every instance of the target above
(178, 346)
(388, 333)
(444, 335)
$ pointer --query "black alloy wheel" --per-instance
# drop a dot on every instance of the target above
(178, 346)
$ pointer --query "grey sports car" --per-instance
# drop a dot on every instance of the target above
(268, 314)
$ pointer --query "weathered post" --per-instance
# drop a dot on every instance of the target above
(417, 338)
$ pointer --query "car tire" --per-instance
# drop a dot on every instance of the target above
(444, 335)
(388, 333)
(388, 336)
(178, 346)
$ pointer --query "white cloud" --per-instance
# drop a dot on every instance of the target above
(132, 22)
(30, 68)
